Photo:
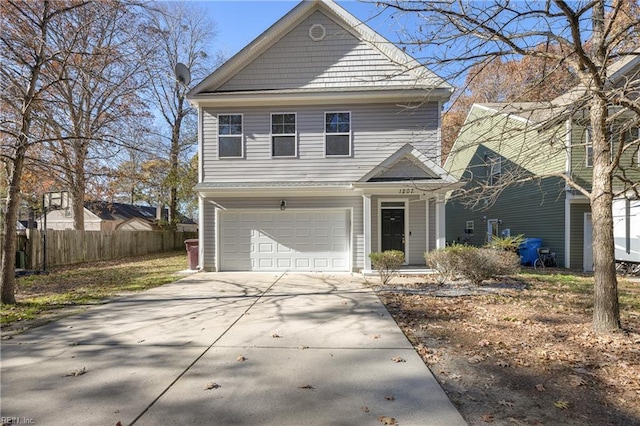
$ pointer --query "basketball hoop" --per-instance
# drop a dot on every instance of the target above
(56, 200)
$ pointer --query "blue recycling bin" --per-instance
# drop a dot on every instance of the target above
(528, 250)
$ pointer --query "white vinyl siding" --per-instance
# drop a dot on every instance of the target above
(340, 60)
(207, 243)
(377, 131)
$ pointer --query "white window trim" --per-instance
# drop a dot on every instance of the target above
(470, 224)
(294, 134)
(218, 136)
(406, 223)
(324, 127)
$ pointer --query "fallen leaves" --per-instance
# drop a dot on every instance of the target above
(533, 347)
(487, 417)
(386, 420)
(398, 359)
(575, 380)
(306, 387)
(76, 373)
(562, 404)
(475, 359)
(211, 385)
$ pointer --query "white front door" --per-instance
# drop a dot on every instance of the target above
(290, 240)
(587, 257)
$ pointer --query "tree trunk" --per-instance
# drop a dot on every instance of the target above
(79, 188)
(606, 311)
(8, 261)
(175, 152)
(8, 272)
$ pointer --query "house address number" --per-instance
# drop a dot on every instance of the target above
(407, 191)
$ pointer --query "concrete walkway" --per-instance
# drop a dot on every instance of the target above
(225, 349)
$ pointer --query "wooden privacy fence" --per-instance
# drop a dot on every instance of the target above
(70, 246)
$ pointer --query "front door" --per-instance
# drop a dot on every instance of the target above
(393, 229)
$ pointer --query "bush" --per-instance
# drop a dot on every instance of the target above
(387, 263)
(472, 263)
(446, 261)
(506, 243)
(486, 263)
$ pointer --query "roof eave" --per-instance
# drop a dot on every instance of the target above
(315, 98)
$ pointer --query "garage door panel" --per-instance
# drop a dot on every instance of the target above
(302, 232)
(279, 240)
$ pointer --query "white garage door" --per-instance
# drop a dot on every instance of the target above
(290, 240)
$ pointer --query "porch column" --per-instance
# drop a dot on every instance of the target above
(366, 213)
(441, 229)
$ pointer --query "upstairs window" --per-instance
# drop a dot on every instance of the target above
(494, 164)
(230, 136)
(283, 135)
(337, 128)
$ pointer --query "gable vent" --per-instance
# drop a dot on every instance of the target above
(317, 32)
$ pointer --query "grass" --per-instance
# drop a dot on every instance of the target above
(77, 285)
(566, 282)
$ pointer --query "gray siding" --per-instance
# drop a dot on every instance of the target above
(208, 262)
(377, 132)
(417, 231)
(354, 203)
(340, 60)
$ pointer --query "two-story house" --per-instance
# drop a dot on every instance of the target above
(319, 143)
(501, 143)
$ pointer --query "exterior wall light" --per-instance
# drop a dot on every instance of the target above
(283, 205)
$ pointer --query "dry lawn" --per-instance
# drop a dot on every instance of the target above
(521, 351)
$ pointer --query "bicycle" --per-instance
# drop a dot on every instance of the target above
(546, 258)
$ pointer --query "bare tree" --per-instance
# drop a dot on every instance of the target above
(181, 34)
(589, 37)
(29, 68)
(97, 96)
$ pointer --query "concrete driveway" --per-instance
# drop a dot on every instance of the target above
(225, 349)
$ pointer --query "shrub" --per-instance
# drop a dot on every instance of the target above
(387, 263)
(446, 261)
(486, 263)
(472, 263)
(506, 243)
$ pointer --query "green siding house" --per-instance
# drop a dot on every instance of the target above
(514, 159)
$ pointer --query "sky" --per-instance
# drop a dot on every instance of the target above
(240, 21)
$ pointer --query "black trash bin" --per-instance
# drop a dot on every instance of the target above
(192, 253)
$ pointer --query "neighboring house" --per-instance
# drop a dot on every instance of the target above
(319, 143)
(107, 216)
(502, 142)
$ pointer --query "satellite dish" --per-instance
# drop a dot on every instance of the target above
(182, 74)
